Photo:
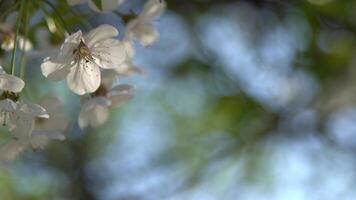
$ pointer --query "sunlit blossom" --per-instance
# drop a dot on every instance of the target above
(127, 67)
(141, 28)
(82, 56)
(95, 109)
(7, 35)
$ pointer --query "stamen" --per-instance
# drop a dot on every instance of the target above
(82, 52)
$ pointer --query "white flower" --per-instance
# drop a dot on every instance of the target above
(127, 67)
(81, 58)
(7, 35)
(30, 126)
(106, 5)
(20, 119)
(95, 110)
(142, 28)
(10, 83)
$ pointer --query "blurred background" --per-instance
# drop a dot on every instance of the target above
(240, 99)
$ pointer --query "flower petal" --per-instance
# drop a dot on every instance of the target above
(11, 83)
(24, 43)
(34, 110)
(102, 32)
(70, 43)
(129, 48)
(143, 32)
(21, 125)
(109, 54)
(153, 9)
(55, 69)
(92, 114)
(84, 77)
(8, 105)
(8, 45)
(127, 68)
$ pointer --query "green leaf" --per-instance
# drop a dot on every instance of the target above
(98, 4)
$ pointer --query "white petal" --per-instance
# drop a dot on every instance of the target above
(153, 9)
(34, 110)
(127, 68)
(11, 83)
(102, 32)
(24, 43)
(21, 126)
(55, 69)
(93, 115)
(107, 78)
(109, 54)
(129, 48)
(8, 46)
(143, 32)
(70, 43)
(75, 2)
(84, 78)
(8, 105)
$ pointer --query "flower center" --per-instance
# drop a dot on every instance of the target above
(82, 52)
(10, 95)
(8, 38)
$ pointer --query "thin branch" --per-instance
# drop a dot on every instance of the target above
(14, 51)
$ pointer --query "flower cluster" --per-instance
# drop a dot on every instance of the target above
(89, 62)
(24, 120)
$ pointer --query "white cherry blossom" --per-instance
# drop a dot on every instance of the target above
(82, 56)
(106, 5)
(30, 126)
(141, 28)
(127, 67)
(95, 110)
(20, 118)
(10, 83)
(7, 35)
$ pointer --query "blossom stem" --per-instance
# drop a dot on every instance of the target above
(14, 50)
(23, 55)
